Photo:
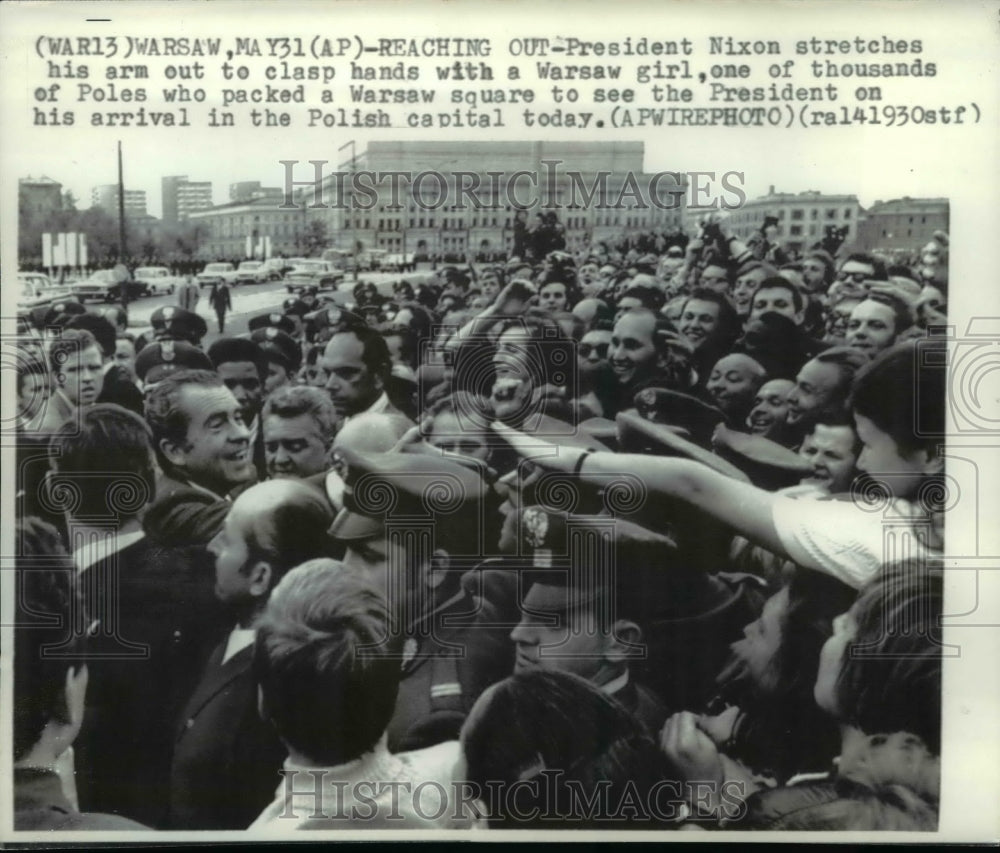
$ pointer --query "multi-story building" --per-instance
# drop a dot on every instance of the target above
(598, 190)
(223, 230)
(182, 197)
(903, 224)
(253, 191)
(106, 197)
(39, 197)
(802, 217)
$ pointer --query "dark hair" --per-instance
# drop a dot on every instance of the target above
(902, 315)
(728, 321)
(69, 343)
(775, 282)
(29, 365)
(650, 297)
(567, 725)
(375, 351)
(101, 328)
(847, 360)
(104, 457)
(165, 417)
(826, 259)
(49, 614)
(902, 392)
(878, 266)
(327, 673)
(890, 677)
(782, 731)
(225, 350)
(409, 347)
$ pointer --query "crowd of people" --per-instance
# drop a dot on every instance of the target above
(591, 540)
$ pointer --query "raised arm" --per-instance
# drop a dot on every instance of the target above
(744, 507)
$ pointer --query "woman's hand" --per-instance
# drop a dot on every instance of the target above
(690, 750)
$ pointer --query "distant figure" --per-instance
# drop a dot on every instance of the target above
(188, 294)
(221, 302)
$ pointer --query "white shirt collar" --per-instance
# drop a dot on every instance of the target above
(616, 684)
(239, 639)
(380, 405)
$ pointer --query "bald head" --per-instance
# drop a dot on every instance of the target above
(733, 383)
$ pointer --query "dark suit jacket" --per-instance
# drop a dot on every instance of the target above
(183, 515)
(644, 705)
(226, 759)
(153, 643)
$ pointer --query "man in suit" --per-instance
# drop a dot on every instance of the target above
(358, 366)
(157, 617)
(203, 449)
(226, 759)
(49, 690)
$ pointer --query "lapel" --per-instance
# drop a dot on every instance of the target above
(217, 677)
(424, 644)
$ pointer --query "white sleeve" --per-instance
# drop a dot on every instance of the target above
(835, 537)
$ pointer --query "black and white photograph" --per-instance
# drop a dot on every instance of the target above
(551, 421)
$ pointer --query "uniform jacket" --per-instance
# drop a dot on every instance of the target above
(450, 656)
(226, 758)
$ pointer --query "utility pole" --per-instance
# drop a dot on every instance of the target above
(350, 208)
(121, 207)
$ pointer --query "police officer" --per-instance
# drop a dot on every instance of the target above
(415, 524)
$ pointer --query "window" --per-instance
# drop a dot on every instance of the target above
(814, 213)
(795, 230)
(831, 213)
(847, 213)
(798, 215)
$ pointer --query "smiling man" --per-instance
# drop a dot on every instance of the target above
(831, 449)
(298, 423)
(823, 384)
(644, 351)
(203, 448)
(770, 409)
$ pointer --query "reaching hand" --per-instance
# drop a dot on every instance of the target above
(691, 751)
(545, 453)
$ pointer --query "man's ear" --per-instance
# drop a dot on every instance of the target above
(173, 452)
(437, 573)
(625, 636)
(260, 578)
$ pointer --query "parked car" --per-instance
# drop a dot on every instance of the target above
(105, 286)
(313, 273)
(158, 279)
(217, 273)
(252, 272)
(277, 267)
(35, 290)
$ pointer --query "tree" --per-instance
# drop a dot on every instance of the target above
(314, 238)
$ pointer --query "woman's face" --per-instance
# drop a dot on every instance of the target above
(553, 297)
(761, 643)
(831, 662)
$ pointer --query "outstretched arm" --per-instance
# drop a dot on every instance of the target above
(742, 506)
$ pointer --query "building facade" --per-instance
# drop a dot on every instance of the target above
(223, 230)
(802, 217)
(106, 197)
(903, 224)
(598, 190)
(253, 191)
(39, 197)
(182, 197)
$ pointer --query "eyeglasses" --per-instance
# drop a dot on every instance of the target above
(600, 350)
(856, 277)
